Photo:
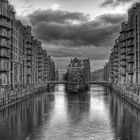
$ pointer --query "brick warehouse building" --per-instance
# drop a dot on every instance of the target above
(124, 59)
(78, 74)
(23, 62)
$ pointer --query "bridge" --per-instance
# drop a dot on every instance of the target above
(56, 82)
(89, 82)
(99, 83)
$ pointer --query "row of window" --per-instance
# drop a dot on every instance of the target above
(4, 52)
(5, 22)
(4, 32)
(3, 78)
(4, 65)
(5, 9)
(3, 42)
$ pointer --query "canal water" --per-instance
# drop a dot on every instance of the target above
(95, 115)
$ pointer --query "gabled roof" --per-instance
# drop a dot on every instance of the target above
(75, 63)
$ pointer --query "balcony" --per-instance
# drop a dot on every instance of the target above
(4, 66)
(4, 43)
(123, 45)
(40, 66)
(4, 46)
(116, 60)
(123, 51)
(39, 70)
(5, 35)
(29, 66)
(4, 69)
(130, 51)
(112, 69)
(129, 36)
(29, 54)
(123, 64)
(5, 25)
(130, 71)
(40, 53)
(29, 63)
(130, 28)
(123, 73)
(130, 60)
(29, 48)
(29, 57)
(116, 69)
(4, 54)
(130, 44)
(39, 57)
(40, 62)
(123, 57)
(116, 64)
(29, 60)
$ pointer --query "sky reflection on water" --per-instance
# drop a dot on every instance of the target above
(95, 115)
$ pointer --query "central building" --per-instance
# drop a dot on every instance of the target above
(76, 75)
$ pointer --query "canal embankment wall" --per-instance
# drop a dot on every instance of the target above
(9, 98)
(131, 94)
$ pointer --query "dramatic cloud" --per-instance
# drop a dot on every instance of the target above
(93, 53)
(68, 33)
(114, 2)
(57, 16)
(75, 29)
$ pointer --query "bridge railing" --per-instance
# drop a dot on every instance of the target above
(89, 82)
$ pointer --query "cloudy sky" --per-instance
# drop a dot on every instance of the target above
(69, 28)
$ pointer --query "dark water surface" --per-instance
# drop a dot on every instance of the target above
(95, 115)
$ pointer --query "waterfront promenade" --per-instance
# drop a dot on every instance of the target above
(9, 98)
(128, 93)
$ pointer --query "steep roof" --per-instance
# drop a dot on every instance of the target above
(75, 62)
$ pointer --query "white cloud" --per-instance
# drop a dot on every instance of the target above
(55, 6)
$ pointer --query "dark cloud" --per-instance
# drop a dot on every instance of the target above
(113, 19)
(106, 3)
(114, 2)
(56, 16)
(55, 27)
(99, 53)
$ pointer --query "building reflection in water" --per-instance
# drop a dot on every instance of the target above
(78, 106)
(18, 121)
(56, 115)
(99, 114)
(125, 118)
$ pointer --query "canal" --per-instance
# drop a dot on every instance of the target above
(95, 115)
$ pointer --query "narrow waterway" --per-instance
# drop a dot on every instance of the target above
(95, 115)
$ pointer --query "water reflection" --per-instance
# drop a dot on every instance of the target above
(78, 106)
(95, 115)
(125, 118)
(18, 121)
